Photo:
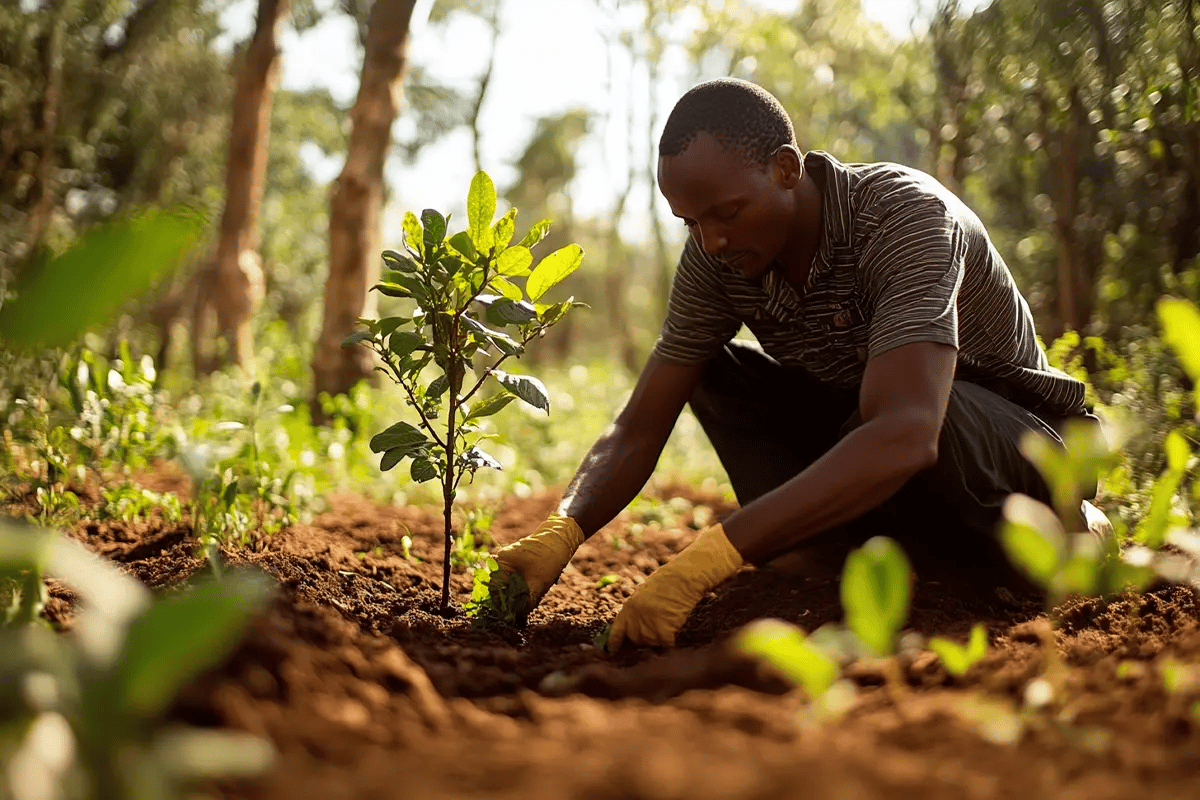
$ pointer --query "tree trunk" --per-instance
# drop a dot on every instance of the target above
(232, 282)
(356, 202)
(41, 211)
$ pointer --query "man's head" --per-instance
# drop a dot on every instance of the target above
(728, 166)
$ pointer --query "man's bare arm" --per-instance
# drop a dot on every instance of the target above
(623, 458)
(903, 402)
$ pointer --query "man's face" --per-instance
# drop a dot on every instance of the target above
(737, 212)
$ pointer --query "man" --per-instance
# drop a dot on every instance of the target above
(897, 373)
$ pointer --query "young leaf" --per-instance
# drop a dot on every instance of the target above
(506, 288)
(397, 454)
(786, 648)
(388, 289)
(413, 235)
(388, 325)
(529, 389)
(1032, 537)
(514, 261)
(876, 589)
(536, 234)
(959, 658)
(490, 406)
(502, 342)
(461, 242)
(481, 207)
(503, 230)
(356, 337)
(179, 637)
(1181, 329)
(552, 269)
(423, 468)
(399, 435)
(435, 232)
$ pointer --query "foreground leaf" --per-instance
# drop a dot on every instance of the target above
(553, 268)
(481, 207)
(788, 650)
(876, 589)
(529, 389)
(959, 658)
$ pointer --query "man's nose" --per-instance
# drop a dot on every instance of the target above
(712, 241)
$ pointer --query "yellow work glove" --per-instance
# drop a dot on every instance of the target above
(540, 557)
(659, 607)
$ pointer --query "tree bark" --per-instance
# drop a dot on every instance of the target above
(232, 282)
(356, 202)
(41, 210)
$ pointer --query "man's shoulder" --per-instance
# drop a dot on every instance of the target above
(880, 182)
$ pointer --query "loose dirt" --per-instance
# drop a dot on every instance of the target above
(367, 692)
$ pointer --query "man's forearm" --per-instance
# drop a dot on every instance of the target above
(611, 475)
(860, 472)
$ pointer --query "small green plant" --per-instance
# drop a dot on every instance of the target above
(468, 318)
(789, 650)
(607, 580)
(471, 546)
(876, 589)
(958, 658)
(98, 697)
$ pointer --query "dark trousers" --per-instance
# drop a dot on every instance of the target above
(768, 422)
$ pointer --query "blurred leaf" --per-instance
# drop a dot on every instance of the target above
(199, 753)
(1181, 329)
(181, 636)
(1032, 537)
(552, 269)
(84, 287)
(786, 648)
(529, 389)
(876, 588)
(959, 658)
(356, 337)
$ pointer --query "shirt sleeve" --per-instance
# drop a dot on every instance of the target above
(911, 270)
(700, 318)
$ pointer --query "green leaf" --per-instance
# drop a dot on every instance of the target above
(503, 311)
(422, 469)
(229, 496)
(387, 325)
(958, 658)
(788, 650)
(356, 337)
(461, 242)
(529, 389)
(183, 635)
(397, 454)
(506, 288)
(435, 232)
(1181, 329)
(437, 387)
(402, 343)
(1032, 537)
(392, 290)
(400, 262)
(536, 234)
(1177, 450)
(552, 269)
(876, 589)
(413, 235)
(514, 261)
(490, 406)
(399, 435)
(503, 230)
(58, 300)
(481, 207)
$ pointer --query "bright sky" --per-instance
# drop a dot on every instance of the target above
(552, 55)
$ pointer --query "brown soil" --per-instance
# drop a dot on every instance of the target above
(367, 692)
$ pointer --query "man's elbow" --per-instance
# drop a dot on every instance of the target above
(917, 445)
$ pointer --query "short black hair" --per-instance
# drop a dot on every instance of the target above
(739, 114)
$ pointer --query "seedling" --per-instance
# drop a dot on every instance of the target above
(876, 589)
(787, 648)
(464, 301)
(607, 580)
(958, 658)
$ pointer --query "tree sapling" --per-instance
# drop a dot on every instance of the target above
(465, 301)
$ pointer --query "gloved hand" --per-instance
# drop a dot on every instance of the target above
(659, 607)
(540, 557)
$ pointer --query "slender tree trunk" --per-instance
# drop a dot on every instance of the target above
(356, 202)
(232, 282)
(42, 209)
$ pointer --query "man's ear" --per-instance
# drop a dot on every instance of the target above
(790, 163)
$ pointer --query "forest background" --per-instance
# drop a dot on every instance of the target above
(1072, 127)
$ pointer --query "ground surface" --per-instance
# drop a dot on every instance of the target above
(367, 693)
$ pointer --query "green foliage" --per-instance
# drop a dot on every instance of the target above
(498, 598)
(101, 693)
(607, 580)
(876, 589)
(958, 658)
(467, 318)
(788, 650)
(76, 291)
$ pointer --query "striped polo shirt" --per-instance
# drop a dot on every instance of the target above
(901, 260)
